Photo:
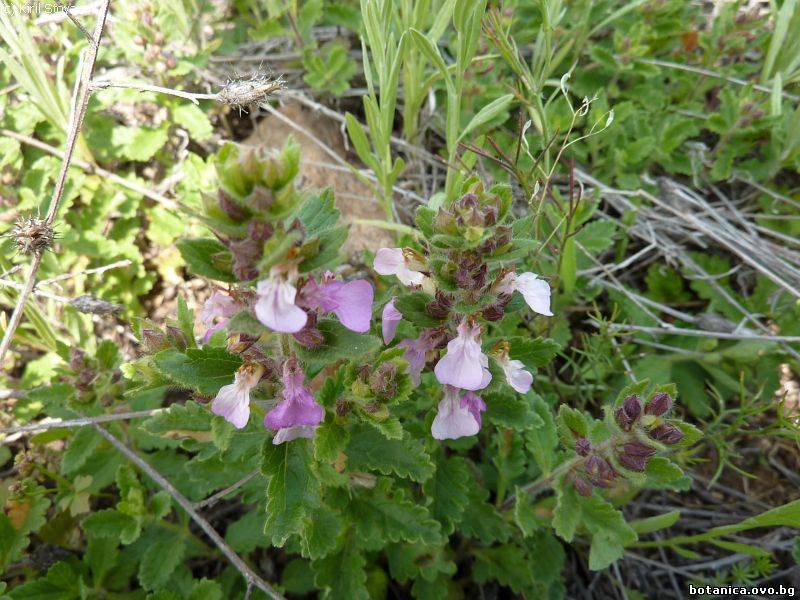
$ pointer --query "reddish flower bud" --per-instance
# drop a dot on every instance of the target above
(230, 207)
(383, 380)
(583, 487)
(261, 198)
(177, 338)
(259, 231)
(246, 254)
(309, 336)
(582, 446)
(440, 306)
(659, 404)
(666, 434)
(630, 411)
(635, 456)
(599, 471)
(153, 340)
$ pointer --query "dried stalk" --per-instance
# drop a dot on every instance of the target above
(59, 424)
(80, 103)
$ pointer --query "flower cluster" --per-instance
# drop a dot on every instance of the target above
(462, 280)
(642, 431)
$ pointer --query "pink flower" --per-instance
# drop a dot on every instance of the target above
(218, 305)
(298, 406)
(351, 302)
(535, 291)
(465, 365)
(233, 400)
(392, 261)
(516, 375)
(416, 353)
(275, 306)
(457, 417)
(390, 319)
(287, 434)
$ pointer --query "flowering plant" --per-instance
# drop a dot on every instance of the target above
(388, 402)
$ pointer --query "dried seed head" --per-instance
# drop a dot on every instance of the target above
(244, 93)
(95, 306)
(31, 235)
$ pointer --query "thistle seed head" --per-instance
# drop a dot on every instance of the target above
(244, 93)
(32, 235)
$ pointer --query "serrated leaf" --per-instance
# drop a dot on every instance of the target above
(512, 411)
(447, 491)
(481, 520)
(524, 514)
(110, 523)
(159, 561)
(203, 257)
(542, 441)
(321, 534)
(339, 342)
(60, 583)
(203, 369)
(534, 353)
(382, 518)
(81, 446)
(293, 489)
(343, 574)
(369, 450)
(412, 307)
(506, 564)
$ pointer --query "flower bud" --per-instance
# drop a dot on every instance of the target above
(154, 340)
(176, 337)
(582, 486)
(383, 381)
(659, 404)
(310, 337)
(246, 254)
(666, 433)
(599, 471)
(440, 306)
(635, 456)
(230, 207)
(261, 199)
(259, 231)
(582, 446)
(630, 411)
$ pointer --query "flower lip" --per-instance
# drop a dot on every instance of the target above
(298, 407)
(394, 261)
(390, 319)
(351, 302)
(535, 291)
(456, 416)
(232, 402)
(464, 365)
(276, 307)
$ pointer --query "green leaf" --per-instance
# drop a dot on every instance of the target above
(610, 532)
(663, 473)
(567, 513)
(339, 342)
(534, 353)
(524, 514)
(489, 112)
(207, 258)
(60, 583)
(321, 534)
(293, 489)
(381, 518)
(447, 491)
(505, 564)
(369, 450)
(203, 369)
(160, 559)
(656, 523)
(343, 574)
(542, 441)
(512, 411)
(247, 533)
(194, 119)
(81, 446)
(110, 523)
(481, 520)
(412, 307)
(139, 143)
(318, 213)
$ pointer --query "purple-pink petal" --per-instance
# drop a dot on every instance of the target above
(454, 418)
(474, 404)
(351, 302)
(390, 319)
(464, 365)
(276, 309)
(298, 406)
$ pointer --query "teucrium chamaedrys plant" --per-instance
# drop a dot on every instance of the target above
(395, 402)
